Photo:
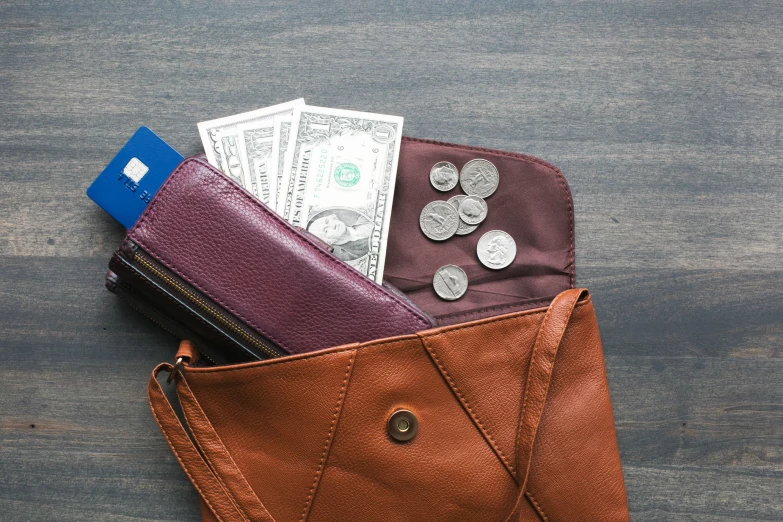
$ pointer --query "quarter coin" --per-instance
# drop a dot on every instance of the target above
(473, 210)
(444, 176)
(496, 249)
(439, 220)
(450, 282)
(463, 229)
(479, 177)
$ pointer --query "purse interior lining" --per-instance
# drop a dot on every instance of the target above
(532, 203)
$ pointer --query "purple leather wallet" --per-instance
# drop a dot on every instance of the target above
(208, 262)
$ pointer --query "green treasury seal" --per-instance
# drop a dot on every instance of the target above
(346, 175)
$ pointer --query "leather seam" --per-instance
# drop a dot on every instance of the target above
(481, 311)
(536, 506)
(281, 360)
(529, 383)
(329, 438)
(350, 273)
(182, 464)
(491, 320)
(471, 412)
(368, 344)
(569, 200)
(209, 459)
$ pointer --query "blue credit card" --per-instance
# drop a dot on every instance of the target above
(129, 181)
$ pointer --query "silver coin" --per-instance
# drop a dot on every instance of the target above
(439, 220)
(479, 177)
(444, 176)
(496, 249)
(463, 229)
(473, 210)
(450, 282)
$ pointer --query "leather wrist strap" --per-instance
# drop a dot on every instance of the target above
(225, 490)
(209, 487)
(539, 374)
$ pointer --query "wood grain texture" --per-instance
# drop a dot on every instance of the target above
(665, 116)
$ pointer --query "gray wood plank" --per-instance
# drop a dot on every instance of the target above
(665, 117)
(700, 493)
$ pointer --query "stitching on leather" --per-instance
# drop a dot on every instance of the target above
(369, 344)
(572, 250)
(537, 506)
(553, 169)
(176, 454)
(282, 360)
(161, 196)
(528, 384)
(329, 437)
(498, 308)
(491, 320)
(361, 280)
(470, 410)
(201, 413)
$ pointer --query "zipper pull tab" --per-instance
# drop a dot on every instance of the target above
(187, 354)
(187, 351)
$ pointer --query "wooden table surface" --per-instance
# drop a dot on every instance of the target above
(665, 116)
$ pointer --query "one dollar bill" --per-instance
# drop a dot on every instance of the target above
(338, 181)
(280, 139)
(220, 138)
(255, 153)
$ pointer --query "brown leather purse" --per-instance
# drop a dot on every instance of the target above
(501, 412)
(505, 418)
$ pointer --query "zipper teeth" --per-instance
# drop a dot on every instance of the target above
(202, 304)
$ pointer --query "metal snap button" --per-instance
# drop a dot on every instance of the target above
(403, 425)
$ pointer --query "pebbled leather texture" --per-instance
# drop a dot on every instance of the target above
(215, 236)
(518, 400)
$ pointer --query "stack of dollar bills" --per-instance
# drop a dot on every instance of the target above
(329, 171)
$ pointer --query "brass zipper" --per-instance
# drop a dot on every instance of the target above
(142, 258)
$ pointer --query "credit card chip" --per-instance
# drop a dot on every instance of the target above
(135, 169)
